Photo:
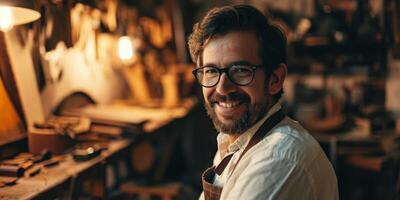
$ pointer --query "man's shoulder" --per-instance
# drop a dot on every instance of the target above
(289, 141)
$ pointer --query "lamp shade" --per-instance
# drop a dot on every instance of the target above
(15, 14)
(22, 15)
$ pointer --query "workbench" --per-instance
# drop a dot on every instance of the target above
(65, 180)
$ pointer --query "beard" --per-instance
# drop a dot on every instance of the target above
(252, 113)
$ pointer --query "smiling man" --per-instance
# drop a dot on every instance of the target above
(262, 154)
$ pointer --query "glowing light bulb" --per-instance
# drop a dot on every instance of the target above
(125, 48)
(6, 18)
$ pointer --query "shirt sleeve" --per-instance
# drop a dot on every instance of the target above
(201, 197)
(272, 179)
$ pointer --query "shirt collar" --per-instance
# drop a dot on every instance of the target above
(225, 148)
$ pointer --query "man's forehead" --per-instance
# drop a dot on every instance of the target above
(231, 47)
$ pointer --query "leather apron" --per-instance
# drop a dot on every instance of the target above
(212, 192)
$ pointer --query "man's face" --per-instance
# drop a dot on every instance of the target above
(235, 108)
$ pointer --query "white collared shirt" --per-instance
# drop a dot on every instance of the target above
(287, 164)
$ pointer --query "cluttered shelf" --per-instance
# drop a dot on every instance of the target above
(58, 173)
(355, 142)
(123, 113)
(99, 138)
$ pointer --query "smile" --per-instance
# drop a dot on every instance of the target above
(228, 104)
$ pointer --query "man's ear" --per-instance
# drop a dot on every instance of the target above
(276, 79)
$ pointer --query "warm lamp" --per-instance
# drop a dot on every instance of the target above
(11, 16)
(125, 49)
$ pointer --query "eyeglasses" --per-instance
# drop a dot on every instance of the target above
(239, 74)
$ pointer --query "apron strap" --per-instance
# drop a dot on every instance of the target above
(257, 137)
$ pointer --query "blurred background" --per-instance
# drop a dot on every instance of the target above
(79, 73)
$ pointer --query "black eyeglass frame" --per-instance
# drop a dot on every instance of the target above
(226, 71)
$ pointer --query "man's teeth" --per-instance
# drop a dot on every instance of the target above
(228, 105)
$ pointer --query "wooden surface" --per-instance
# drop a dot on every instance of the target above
(357, 134)
(123, 112)
(62, 174)
(11, 126)
(7, 75)
(11, 115)
(354, 142)
(166, 191)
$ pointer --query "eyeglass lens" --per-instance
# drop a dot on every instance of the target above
(238, 74)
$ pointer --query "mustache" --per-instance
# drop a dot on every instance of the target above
(214, 98)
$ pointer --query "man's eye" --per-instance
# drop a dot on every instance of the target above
(210, 71)
(241, 70)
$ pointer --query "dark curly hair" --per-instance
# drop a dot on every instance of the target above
(221, 20)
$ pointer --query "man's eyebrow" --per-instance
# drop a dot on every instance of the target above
(209, 65)
(241, 62)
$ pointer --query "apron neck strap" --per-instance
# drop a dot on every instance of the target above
(257, 137)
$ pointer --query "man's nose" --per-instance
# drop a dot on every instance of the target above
(225, 86)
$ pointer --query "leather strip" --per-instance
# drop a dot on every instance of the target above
(257, 137)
